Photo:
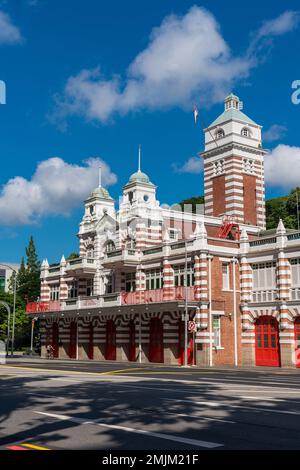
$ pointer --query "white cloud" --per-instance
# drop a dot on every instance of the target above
(9, 33)
(284, 23)
(282, 166)
(55, 188)
(193, 165)
(275, 132)
(186, 60)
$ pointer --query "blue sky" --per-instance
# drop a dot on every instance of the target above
(92, 81)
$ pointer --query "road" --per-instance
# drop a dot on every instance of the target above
(79, 405)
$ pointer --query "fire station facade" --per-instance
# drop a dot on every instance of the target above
(143, 267)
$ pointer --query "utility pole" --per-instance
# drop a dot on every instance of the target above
(185, 310)
(14, 312)
(8, 323)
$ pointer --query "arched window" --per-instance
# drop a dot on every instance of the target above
(245, 132)
(130, 244)
(90, 251)
(110, 246)
(220, 134)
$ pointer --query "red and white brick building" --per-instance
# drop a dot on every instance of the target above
(142, 265)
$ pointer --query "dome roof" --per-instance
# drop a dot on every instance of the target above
(101, 192)
(139, 177)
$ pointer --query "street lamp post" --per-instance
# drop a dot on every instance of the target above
(8, 323)
(14, 312)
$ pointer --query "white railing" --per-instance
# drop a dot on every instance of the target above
(264, 296)
(295, 293)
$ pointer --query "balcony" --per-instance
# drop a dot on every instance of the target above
(157, 296)
(264, 296)
(78, 303)
(81, 265)
(125, 257)
(40, 307)
(295, 293)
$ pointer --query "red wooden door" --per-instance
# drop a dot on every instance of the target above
(267, 342)
(111, 351)
(297, 341)
(181, 341)
(156, 344)
(73, 340)
(132, 345)
(55, 339)
(91, 342)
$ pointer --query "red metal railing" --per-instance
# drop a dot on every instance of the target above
(37, 307)
(157, 295)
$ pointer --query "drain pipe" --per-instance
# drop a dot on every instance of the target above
(209, 312)
(234, 261)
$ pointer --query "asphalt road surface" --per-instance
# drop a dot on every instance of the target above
(79, 405)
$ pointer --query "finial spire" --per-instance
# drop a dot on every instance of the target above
(100, 176)
(139, 165)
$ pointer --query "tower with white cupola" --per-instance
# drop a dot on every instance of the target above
(234, 166)
(139, 206)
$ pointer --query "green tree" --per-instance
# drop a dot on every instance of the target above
(73, 255)
(28, 277)
(193, 201)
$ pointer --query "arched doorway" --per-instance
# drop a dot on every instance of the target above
(55, 341)
(156, 341)
(297, 341)
(73, 340)
(181, 344)
(91, 341)
(267, 342)
(132, 344)
(111, 350)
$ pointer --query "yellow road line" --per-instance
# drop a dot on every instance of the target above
(111, 372)
(63, 370)
(167, 372)
(32, 446)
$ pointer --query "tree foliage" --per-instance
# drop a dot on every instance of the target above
(28, 290)
(284, 207)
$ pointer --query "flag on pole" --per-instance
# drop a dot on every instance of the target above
(195, 113)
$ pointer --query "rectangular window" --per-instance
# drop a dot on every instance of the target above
(109, 284)
(179, 275)
(130, 282)
(89, 287)
(295, 268)
(73, 290)
(217, 331)
(264, 275)
(154, 279)
(54, 292)
(225, 276)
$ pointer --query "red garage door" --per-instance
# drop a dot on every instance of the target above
(111, 350)
(267, 342)
(297, 341)
(55, 339)
(156, 344)
(73, 340)
(132, 345)
(181, 341)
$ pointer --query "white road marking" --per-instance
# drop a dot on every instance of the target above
(168, 437)
(226, 405)
(261, 398)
